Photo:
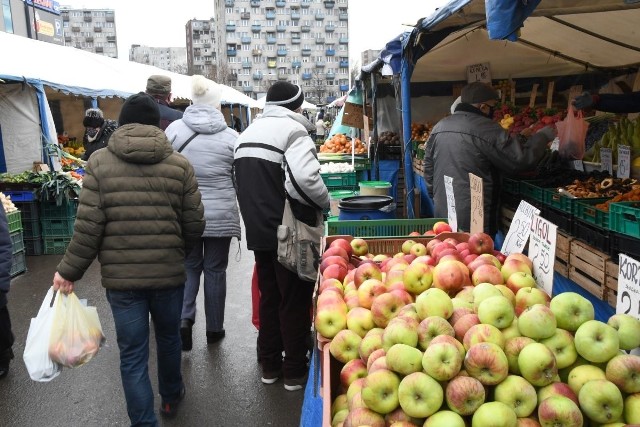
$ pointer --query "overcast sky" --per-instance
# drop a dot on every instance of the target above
(372, 23)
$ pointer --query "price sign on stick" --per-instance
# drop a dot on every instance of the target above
(477, 204)
(606, 159)
(628, 287)
(451, 204)
(624, 160)
(542, 251)
(520, 228)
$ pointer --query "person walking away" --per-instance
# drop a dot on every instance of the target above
(276, 158)
(159, 87)
(469, 141)
(97, 131)
(6, 334)
(209, 148)
(140, 213)
(320, 128)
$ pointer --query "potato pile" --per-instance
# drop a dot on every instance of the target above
(340, 143)
(389, 138)
(420, 131)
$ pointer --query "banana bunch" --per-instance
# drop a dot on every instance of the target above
(625, 132)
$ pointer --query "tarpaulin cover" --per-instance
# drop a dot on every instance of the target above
(505, 17)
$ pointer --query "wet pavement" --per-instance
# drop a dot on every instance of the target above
(222, 379)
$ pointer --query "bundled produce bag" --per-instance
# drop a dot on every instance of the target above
(572, 132)
(76, 334)
(36, 351)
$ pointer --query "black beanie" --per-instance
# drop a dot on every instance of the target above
(285, 94)
(93, 118)
(140, 108)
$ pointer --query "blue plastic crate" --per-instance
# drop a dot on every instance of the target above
(20, 196)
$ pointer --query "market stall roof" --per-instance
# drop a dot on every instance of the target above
(560, 37)
(306, 105)
(75, 71)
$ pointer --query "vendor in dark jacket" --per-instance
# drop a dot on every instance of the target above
(159, 87)
(6, 335)
(139, 213)
(97, 131)
(469, 141)
(610, 103)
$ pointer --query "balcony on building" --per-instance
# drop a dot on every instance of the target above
(206, 45)
(257, 76)
(75, 29)
(246, 64)
(281, 28)
(232, 51)
(343, 40)
(270, 14)
(233, 77)
(343, 16)
(295, 40)
(282, 51)
(89, 39)
(319, 16)
(206, 27)
(283, 76)
(197, 52)
(255, 3)
(245, 40)
(305, 28)
(320, 40)
(111, 38)
(281, 3)
(196, 35)
(344, 63)
(295, 16)
(97, 29)
(307, 76)
(272, 63)
(329, 4)
(87, 17)
(330, 52)
(110, 17)
(256, 52)
(296, 64)
(256, 28)
(229, 3)
(344, 88)
(247, 89)
(330, 75)
(306, 51)
(294, 6)
(330, 28)
(245, 15)
(231, 27)
(305, 3)
(271, 40)
(208, 62)
(99, 49)
(320, 64)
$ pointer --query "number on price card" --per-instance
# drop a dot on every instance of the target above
(518, 234)
(628, 287)
(542, 251)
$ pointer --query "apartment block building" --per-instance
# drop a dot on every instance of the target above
(368, 56)
(93, 30)
(168, 58)
(250, 44)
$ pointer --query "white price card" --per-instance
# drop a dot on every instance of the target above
(624, 161)
(479, 73)
(451, 204)
(628, 287)
(542, 251)
(518, 234)
(577, 165)
(606, 160)
(477, 204)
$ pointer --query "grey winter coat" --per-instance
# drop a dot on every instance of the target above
(211, 154)
(469, 142)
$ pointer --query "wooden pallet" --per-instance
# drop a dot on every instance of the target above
(611, 284)
(587, 267)
(563, 249)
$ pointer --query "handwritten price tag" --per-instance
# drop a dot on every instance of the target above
(577, 165)
(628, 287)
(518, 234)
(451, 204)
(542, 251)
(607, 160)
(477, 204)
(624, 161)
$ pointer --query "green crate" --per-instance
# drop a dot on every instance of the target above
(32, 229)
(380, 228)
(67, 209)
(624, 218)
(562, 202)
(56, 245)
(17, 242)
(14, 219)
(511, 186)
(344, 179)
(34, 247)
(585, 210)
(531, 190)
(18, 264)
(30, 211)
(57, 227)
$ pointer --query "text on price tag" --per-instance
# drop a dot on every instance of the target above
(542, 251)
(451, 204)
(628, 287)
(477, 204)
(624, 161)
(606, 160)
(520, 228)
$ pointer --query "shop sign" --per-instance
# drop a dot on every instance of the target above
(542, 251)
(520, 229)
(479, 73)
(628, 287)
(624, 160)
(606, 162)
(477, 204)
(48, 5)
(452, 217)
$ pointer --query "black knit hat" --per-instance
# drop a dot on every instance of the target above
(285, 94)
(140, 108)
(93, 118)
(478, 92)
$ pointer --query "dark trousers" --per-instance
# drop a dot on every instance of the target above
(6, 337)
(285, 324)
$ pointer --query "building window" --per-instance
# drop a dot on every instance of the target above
(6, 14)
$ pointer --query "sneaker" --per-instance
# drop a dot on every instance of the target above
(213, 337)
(294, 384)
(186, 326)
(170, 409)
(270, 377)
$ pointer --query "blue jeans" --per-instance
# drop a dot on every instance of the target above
(210, 255)
(131, 311)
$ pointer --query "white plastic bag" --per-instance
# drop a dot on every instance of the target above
(36, 351)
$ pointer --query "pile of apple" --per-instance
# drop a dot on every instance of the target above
(433, 337)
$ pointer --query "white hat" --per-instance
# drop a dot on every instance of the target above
(205, 91)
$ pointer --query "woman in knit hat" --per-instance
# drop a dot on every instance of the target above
(203, 137)
(97, 131)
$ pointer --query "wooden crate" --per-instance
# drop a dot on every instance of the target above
(330, 386)
(611, 284)
(587, 267)
(563, 249)
(506, 215)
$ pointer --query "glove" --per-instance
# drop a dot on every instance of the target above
(585, 100)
